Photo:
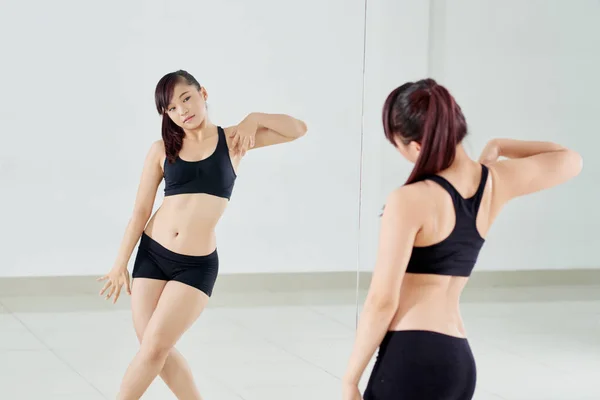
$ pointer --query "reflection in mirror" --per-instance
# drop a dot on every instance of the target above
(468, 282)
(202, 161)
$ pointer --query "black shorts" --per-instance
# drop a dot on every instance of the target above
(422, 365)
(154, 261)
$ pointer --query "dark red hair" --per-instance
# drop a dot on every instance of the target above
(426, 113)
(172, 134)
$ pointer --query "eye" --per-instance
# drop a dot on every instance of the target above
(187, 98)
(171, 109)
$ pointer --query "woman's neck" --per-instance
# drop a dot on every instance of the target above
(204, 130)
(462, 159)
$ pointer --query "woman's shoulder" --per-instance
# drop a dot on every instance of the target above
(411, 193)
(157, 151)
(157, 147)
(409, 198)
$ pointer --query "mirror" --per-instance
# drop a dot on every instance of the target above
(528, 74)
(80, 134)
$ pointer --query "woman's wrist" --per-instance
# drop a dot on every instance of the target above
(119, 266)
(254, 119)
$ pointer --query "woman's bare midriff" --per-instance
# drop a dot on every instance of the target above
(431, 303)
(185, 223)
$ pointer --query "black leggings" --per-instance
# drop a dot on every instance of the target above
(154, 261)
(422, 365)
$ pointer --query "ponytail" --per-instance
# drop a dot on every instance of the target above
(440, 136)
(172, 137)
(425, 112)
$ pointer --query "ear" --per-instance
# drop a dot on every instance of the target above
(415, 146)
(203, 93)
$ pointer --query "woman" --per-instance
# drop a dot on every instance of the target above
(177, 263)
(432, 230)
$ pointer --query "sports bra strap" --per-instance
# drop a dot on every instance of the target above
(222, 143)
(474, 201)
(446, 185)
(479, 194)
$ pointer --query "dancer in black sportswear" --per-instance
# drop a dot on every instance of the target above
(177, 263)
(432, 230)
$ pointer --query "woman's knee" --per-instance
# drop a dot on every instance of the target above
(154, 349)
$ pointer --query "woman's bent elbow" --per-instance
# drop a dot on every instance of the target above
(573, 163)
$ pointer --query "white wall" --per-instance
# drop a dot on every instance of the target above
(523, 69)
(77, 118)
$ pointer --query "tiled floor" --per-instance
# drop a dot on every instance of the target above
(529, 343)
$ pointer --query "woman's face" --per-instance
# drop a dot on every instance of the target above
(187, 108)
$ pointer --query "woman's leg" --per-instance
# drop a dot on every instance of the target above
(175, 373)
(178, 307)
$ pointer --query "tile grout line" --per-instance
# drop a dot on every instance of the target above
(232, 389)
(69, 366)
(315, 311)
(267, 340)
(351, 327)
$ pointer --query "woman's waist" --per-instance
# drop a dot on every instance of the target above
(434, 314)
(183, 244)
(185, 221)
(194, 238)
(176, 252)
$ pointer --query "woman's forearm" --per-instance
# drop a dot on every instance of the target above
(372, 327)
(283, 124)
(134, 230)
(512, 148)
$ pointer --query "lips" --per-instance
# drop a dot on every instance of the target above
(188, 118)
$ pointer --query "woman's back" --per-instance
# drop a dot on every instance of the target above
(456, 215)
(429, 297)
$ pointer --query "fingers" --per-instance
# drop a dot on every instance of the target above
(106, 286)
(117, 294)
(236, 139)
(241, 146)
(241, 143)
(112, 291)
(128, 284)
(244, 144)
(115, 285)
(486, 160)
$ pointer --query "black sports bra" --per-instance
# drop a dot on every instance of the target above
(457, 254)
(213, 175)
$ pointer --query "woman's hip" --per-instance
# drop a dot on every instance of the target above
(421, 364)
(155, 261)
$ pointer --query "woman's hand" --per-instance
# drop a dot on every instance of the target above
(115, 279)
(244, 135)
(350, 391)
(490, 153)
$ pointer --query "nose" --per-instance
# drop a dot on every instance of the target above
(183, 111)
